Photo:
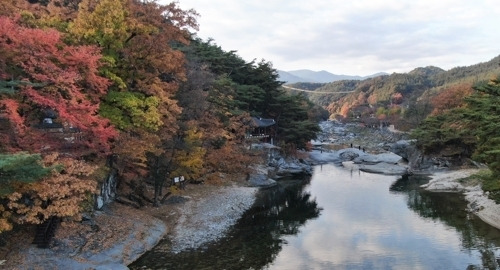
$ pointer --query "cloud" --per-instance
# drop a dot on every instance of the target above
(339, 35)
(378, 232)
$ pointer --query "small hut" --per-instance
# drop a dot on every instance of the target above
(264, 129)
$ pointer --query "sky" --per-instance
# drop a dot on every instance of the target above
(353, 37)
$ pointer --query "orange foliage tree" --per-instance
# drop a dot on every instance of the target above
(60, 194)
(450, 98)
(397, 98)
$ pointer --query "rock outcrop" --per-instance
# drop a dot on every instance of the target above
(289, 166)
(107, 192)
(418, 161)
(260, 180)
(277, 167)
(407, 149)
(353, 158)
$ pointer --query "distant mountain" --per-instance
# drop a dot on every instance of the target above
(416, 88)
(305, 75)
(289, 77)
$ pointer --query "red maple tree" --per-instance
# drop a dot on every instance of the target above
(45, 73)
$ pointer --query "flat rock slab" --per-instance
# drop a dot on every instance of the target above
(478, 202)
(384, 168)
(447, 181)
(390, 158)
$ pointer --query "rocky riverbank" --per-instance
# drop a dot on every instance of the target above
(478, 202)
(385, 151)
(112, 239)
(118, 235)
(357, 147)
(208, 214)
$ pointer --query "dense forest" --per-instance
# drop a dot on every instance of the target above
(124, 86)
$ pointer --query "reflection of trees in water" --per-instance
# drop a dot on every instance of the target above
(450, 208)
(255, 241)
(284, 209)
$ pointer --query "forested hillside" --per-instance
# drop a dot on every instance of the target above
(92, 87)
(404, 99)
(452, 114)
(465, 123)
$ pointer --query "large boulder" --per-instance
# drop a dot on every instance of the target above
(348, 155)
(289, 166)
(407, 149)
(384, 163)
(261, 176)
(260, 180)
(323, 157)
(389, 158)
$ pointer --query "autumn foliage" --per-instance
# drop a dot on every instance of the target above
(46, 73)
(451, 98)
(83, 82)
(60, 193)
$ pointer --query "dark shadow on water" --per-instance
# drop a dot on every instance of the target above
(451, 209)
(254, 241)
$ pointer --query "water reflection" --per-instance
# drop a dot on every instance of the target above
(255, 241)
(346, 219)
(368, 223)
(450, 208)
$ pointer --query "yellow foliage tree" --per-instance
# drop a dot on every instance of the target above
(190, 159)
(103, 23)
(61, 194)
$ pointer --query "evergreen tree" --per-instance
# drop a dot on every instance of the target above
(483, 117)
(447, 130)
(294, 126)
(20, 168)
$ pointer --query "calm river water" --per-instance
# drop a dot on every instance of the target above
(342, 219)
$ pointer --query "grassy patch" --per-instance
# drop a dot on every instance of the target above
(475, 179)
(490, 183)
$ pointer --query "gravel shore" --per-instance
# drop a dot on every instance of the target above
(208, 218)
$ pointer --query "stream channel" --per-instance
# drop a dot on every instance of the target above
(343, 219)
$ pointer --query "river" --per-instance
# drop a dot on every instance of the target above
(343, 219)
